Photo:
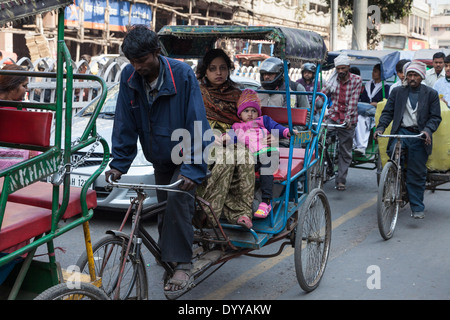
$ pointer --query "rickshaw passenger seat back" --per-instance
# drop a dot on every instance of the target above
(299, 117)
(25, 127)
(280, 115)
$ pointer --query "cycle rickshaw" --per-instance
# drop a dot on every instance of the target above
(329, 145)
(302, 219)
(32, 212)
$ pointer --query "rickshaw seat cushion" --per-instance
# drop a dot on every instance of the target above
(25, 127)
(280, 115)
(282, 171)
(298, 159)
(297, 153)
(39, 194)
(22, 222)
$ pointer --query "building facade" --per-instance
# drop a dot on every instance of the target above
(98, 27)
(440, 27)
(410, 33)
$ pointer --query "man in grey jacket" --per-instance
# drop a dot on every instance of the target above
(413, 109)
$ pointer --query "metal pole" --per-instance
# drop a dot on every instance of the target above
(359, 35)
(334, 25)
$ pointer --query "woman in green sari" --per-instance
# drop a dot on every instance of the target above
(230, 189)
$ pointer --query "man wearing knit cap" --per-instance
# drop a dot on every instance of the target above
(413, 109)
(343, 89)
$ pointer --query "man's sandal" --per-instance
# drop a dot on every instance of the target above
(184, 285)
(340, 187)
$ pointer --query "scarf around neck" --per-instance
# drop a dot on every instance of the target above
(221, 103)
(372, 93)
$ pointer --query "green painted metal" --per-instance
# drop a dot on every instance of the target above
(53, 158)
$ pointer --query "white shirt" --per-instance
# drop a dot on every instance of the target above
(397, 84)
(410, 116)
(431, 77)
(442, 86)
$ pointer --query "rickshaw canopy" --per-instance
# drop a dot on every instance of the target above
(426, 55)
(387, 58)
(16, 10)
(191, 42)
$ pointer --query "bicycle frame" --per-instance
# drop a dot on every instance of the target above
(396, 154)
(325, 159)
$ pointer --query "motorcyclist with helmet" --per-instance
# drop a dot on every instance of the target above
(272, 78)
(307, 80)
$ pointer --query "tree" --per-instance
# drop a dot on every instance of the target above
(389, 11)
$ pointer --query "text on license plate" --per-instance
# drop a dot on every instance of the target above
(77, 180)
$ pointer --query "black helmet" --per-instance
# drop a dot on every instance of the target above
(271, 65)
(309, 67)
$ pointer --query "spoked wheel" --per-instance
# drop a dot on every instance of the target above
(388, 204)
(83, 291)
(316, 176)
(312, 240)
(109, 253)
(379, 167)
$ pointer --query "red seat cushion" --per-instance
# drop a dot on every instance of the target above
(25, 127)
(280, 115)
(298, 153)
(22, 222)
(281, 174)
(39, 194)
(298, 160)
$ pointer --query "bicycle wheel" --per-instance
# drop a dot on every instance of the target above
(108, 257)
(312, 240)
(315, 175)
(62, 291)
(388, 204)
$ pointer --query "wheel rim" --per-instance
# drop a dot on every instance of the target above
(388, 211)
(108, 261)
(315, 236)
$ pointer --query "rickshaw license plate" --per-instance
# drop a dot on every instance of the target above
(78, 180)
(302, 137)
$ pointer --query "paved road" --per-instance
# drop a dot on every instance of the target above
(414, 264)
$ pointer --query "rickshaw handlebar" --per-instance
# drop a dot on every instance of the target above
(172, 186)
(334, 125)
(400, 136)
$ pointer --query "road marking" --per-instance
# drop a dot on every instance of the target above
(267, 264)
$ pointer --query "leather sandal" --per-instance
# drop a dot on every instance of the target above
(184, 285)
(340, 187)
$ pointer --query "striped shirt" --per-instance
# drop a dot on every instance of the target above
(345, 97)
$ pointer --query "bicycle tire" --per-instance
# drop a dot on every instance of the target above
(134, 284)
(315, 175)
(312, 240)
(387, 203)
(62, 291)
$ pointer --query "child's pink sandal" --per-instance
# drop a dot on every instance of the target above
(263, 210)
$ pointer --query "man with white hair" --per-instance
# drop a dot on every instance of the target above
(343, 89)
(413, 109)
